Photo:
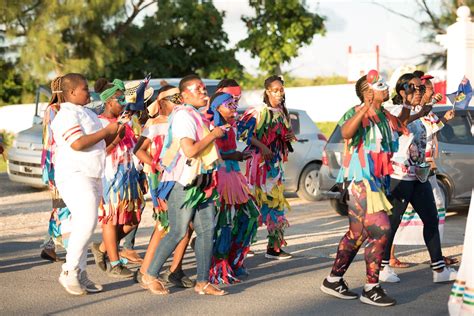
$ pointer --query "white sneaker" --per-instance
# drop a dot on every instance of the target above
(388, 275)
(87, 284)
(448, 274)
(70, 281)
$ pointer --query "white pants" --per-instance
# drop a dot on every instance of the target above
(82, 196)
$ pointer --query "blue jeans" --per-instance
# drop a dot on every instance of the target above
(129, 240)
(179, 219)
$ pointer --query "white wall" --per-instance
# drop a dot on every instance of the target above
(322, 103)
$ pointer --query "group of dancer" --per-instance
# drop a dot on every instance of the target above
(184, 153)
(388, 159)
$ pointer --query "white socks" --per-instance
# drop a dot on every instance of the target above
(333, 279)
(370, 286)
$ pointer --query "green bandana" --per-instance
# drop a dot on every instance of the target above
(117, 85)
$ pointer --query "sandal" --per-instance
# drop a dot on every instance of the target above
(450, 261)
(210, 289)
(153, 285)
(395, 263)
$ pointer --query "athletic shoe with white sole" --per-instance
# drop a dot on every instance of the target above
(70, 282)
(338, 289)
(377, 297)
(448, 274)
(281, 255)
(388, 275)
(87, 284)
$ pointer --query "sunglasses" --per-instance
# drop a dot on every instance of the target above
(175, 98)
(411, 88)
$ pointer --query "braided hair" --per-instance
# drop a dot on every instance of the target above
(57, 96)
(360, 87)
(267, 84)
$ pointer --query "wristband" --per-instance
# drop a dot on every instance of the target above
(406, 106)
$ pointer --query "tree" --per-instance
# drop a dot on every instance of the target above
(433, 24)
(65, 36)
(183, 37)
(278, 30)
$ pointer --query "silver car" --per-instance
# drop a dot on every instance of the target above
(301, 172)
(455, 160)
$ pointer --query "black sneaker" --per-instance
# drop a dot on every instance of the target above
(338, 289)
(377, 297)
(177, 278)
(120, 272)
(272, 254)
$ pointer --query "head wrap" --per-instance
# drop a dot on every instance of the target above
(117, 85)
(234, 91)
(222, 99)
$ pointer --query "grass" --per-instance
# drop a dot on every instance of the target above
(326, 127)
(7, 141)
(3, 165)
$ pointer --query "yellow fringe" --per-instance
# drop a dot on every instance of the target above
(277, 201)
(376, 201)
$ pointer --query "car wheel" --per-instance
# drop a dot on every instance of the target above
(339, 207)
(308, 186)
(445, 192)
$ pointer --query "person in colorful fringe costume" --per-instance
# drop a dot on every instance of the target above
(60, 219)
(267, 129)
(189, 157)
(461, 300)
(122, 199)
(410, 231)
(138, 120)
(79, 166)
(409, 183)
(371, 135)
(237, 214)
(148, 150)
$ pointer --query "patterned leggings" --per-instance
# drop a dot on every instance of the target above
(373, 227)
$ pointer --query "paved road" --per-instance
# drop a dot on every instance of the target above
(28, 285)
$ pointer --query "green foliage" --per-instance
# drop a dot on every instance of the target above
(7, 141)
(278, 30)
(183, 37)
(326, 128)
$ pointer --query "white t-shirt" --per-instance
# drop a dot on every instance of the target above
(183, 126)
(412, 148)
(71, 122)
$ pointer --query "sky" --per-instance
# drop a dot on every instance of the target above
(359, 23)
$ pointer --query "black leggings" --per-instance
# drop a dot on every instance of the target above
(420, 195)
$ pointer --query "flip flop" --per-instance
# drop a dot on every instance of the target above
(395, 263)
(450, 261)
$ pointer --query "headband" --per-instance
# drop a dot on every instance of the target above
(425, 77)
(222, 99)
(234, 91)
(167, 93)
(117, 85)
